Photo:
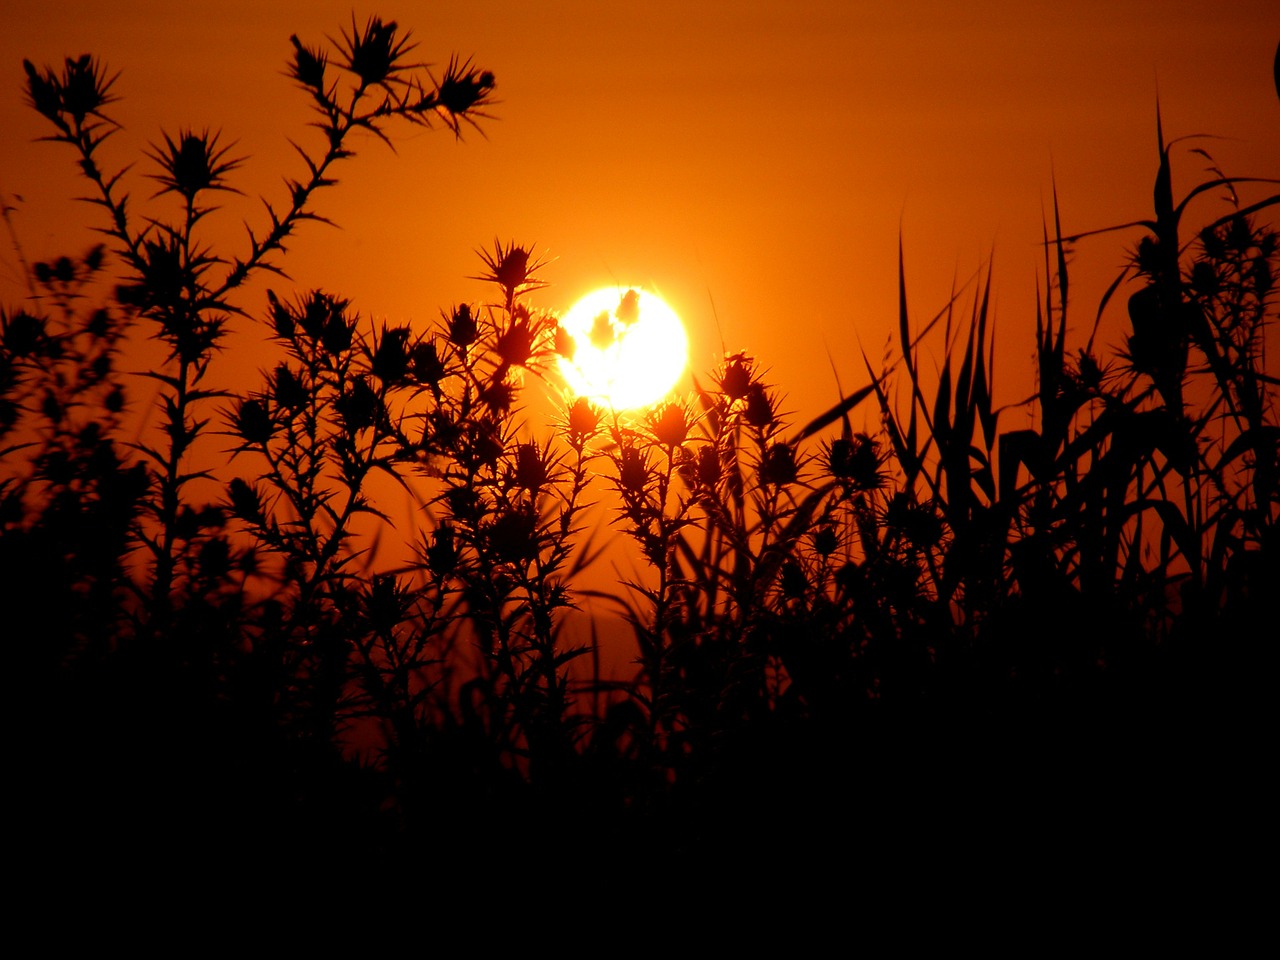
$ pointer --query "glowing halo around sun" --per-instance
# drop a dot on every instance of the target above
(628, 347)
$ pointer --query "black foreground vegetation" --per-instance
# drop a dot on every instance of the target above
(934, 635)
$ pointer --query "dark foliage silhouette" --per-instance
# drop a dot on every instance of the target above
(894, 638)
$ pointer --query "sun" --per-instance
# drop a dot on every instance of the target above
(628, 347)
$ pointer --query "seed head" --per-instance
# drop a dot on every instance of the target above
(825, 540)
(245, 502)
(289, 392)
(736, 376)
(442, 554)
(192, 163)
(855, 460)
(319, 312)
(82, 90)
(708, 469)
(44, 91)
(463, 89)
(359, 406)
(582, 422)
(308, 65)
(533, 469)
(499, 395)
(633, 471)
(917, 520)
(778, 465)
(252, 421)
(85, 87)
(759, 411)
(390, 360)
(375, 55)
(668, 424)
(564, 343)
(515, 345)
(22, 333)
(602, 334)
(512, 267)
(427, 366)
(337, 334)
(513, 535)
(792, 580)
(462, 328)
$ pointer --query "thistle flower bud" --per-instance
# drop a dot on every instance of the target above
(22, 333)
(384, 603)
(390, 361)
(512, 536)
(163, 275)
(289, 392)
(462, 328)
(564, 343)
(1204, 278)
(308, 65)
(374, 55)
(515, 345)
(442, 554)
(252, 422)
(856, 461)
(668, 424)
(338, 331)
(315, 314)
(633, 471)
(192, 163)
(464, 503)
(498, 395)
(708, 466)
(532, 471)
(484, 443)
(512, 268)
(44, 91)
(427, 366)
(778, 465)
(114, 400)
(84, 87)
(463, 87)
(359, 406)
(583, 421)
(759, 411)
(825, 541)
(736, 377)
(282, 318)
(917, 521)
(792, 580)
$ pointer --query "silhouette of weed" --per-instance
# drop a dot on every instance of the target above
(839, 632)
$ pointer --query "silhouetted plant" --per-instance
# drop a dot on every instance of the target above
(70, 495)
(182, 288)
(808, 605)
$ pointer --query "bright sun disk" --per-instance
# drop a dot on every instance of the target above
(629, 347)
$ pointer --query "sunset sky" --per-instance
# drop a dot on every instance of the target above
(754, 162)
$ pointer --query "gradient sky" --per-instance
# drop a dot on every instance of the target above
(754, 162)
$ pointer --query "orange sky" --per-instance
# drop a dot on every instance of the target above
(754, 162)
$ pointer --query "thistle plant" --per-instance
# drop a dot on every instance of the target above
(260, 623)
(69, 496)
(509, 510)
(180, 288)
(891, 587)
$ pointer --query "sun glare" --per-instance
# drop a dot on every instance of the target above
(629, 347)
